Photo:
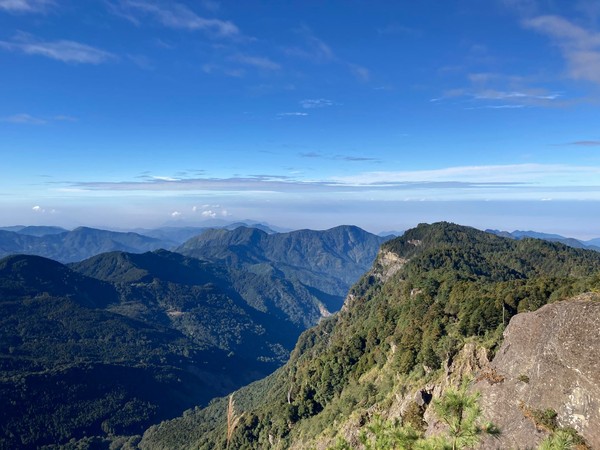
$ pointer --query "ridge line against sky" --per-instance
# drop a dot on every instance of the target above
(138, 112)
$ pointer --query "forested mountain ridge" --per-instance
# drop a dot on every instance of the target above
(201, 300)
(327, 262)
(119, 341)
(69, 367)
(429, 292)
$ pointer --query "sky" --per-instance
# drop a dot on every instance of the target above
(304, 113)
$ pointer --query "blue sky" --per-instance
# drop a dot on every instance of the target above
(125, 113)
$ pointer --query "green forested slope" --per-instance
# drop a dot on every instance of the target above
(449, 284)
(119, 341)
(70, 367)
(323, 264)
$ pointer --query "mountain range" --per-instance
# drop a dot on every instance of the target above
(592, 244)
(326, 262)
(75, 245)
(96, 353)
(398, 341)
(76, 338)
(84, 242)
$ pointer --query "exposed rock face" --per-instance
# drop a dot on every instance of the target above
(388, 264)
(550, 359)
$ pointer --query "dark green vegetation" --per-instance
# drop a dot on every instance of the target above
(70, 367)
(112, 344)
(430, 291)
(201, 300)
(326, 262)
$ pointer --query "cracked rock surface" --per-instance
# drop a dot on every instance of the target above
(550, 359)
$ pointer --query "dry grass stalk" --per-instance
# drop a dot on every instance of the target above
(232, 419)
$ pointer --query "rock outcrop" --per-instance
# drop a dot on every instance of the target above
(549, 360)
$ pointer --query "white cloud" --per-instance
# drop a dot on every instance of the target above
(491, 94)
(25, 6)
(314, 49)
(318, 52)
(585, 143)
(292, 114)
(256, 61)
(525, 174)
(494, 182)
(38, 209)
(210, 211)
(28, 119)
(360, 72)
(165, 178)
(173, 15)
(312, 103)
(25, 119)
(580, 47)
(485, 94)
(176, 214)
(62, 50)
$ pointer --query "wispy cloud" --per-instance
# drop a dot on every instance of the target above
(491, 94)
(314, 103)
(357, 158)
(258, 62)
(62, 50)
(397, 29)
(28, 119)
(317, 51)
(25, 6)
(314, 49)
(585, 143)
(37, 209)
(292, 114)
(172, 15)
(311, 155)
(507, 106)
(524, 174)
(486, 92)
(25, 119)
(499, 182)
(580, 46)
(214, 68)
(350, 158)
(360, 72)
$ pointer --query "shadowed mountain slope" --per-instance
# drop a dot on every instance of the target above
(81, 356)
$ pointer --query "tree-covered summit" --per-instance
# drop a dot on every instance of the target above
(451, 284)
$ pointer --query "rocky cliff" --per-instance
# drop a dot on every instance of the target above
(549, 361)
